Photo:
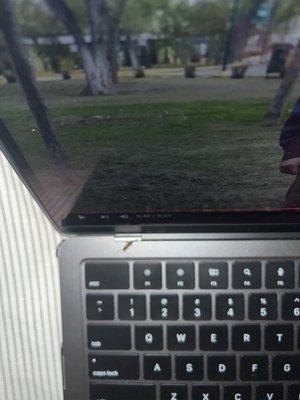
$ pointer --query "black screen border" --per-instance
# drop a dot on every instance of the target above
(254, 224)
(227, 222)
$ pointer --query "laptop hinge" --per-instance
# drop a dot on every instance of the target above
(129, 238)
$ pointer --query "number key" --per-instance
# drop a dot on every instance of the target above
(132, 307)
(197, 308)
(263, 307)
(230, 307)
(291, 307)
(164, 308)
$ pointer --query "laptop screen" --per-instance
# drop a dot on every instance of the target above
(154, 111)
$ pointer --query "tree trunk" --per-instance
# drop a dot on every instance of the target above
(112, 53)
(114, 38)
(138, 70)
(292, 71)
(240, 38)
(96, 80)
(265, 40)
(105, 38)
(132, 53)
(99, 16)
(241, 30)
(27, 81)
(102, 66)
(95, 86)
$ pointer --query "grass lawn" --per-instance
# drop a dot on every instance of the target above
(161, 143)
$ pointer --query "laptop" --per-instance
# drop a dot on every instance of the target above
(180, 263)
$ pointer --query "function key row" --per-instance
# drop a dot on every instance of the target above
(183, 337)
(263, 306)
(182, 275)
(194, 368)
(199, 392)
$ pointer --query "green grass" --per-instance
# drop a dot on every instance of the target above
(149, 148)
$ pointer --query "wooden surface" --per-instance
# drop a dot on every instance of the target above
(30, 325)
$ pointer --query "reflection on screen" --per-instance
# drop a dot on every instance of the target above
(140, 106)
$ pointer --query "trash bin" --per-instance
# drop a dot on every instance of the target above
(276, 66)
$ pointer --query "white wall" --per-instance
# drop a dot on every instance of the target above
(30, 328)
(288, 34)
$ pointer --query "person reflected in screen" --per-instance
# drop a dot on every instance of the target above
(290, 142)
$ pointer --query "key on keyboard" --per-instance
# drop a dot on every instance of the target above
(194, 330)
(107, 276)
(109, 337)
(123, 392)
(114, 367)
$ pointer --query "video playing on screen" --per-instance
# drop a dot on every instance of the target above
(136, 106)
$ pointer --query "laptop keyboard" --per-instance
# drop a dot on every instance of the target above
(192, 330)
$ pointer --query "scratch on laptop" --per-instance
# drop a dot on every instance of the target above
(128, 245)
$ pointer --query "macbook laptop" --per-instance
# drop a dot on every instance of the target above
(180, 263)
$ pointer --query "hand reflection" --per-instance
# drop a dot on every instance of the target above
(290, 167)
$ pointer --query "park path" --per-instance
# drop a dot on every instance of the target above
(254, 70)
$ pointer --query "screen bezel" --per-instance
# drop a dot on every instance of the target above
(275, 224)
(236, 223)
